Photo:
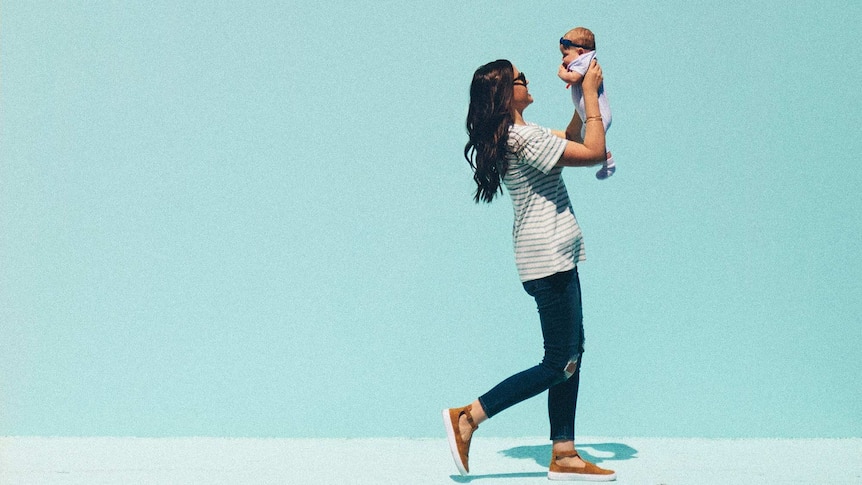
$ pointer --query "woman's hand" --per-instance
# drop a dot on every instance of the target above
(593, 77)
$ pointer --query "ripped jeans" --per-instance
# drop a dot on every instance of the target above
(558, 298)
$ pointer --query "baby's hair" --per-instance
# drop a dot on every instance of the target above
(582, 36)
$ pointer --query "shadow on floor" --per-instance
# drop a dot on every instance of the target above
(470, 478)
(593, 452)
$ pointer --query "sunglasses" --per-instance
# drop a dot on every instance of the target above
(569, 44)
(521, 80)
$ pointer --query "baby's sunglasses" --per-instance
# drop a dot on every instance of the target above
(569, 44)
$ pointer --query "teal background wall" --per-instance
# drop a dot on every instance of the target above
(253, 218)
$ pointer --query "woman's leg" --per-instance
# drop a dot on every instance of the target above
(562, 332)
(558, 301)
(563, 397)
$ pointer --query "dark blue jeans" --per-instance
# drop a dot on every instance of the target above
(558, 298)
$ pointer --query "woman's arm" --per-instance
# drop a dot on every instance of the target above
(591, 150)
(573, 131)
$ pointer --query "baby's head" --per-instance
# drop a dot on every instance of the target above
(576, 42)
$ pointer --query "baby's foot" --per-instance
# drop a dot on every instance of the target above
(607, 169)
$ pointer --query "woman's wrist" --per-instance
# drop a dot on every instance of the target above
(591, 106)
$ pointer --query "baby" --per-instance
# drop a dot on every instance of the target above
(578, 47)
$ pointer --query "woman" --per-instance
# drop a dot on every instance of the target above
(528, 159)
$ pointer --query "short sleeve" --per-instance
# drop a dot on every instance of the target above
(536, 146)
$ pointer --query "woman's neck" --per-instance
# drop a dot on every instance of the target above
(518, 117)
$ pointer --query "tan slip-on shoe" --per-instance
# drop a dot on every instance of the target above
(459, 448)
(587, 473)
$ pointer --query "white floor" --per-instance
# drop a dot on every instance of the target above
(186, 461)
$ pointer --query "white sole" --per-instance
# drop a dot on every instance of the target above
(453, 445)
(580, 477)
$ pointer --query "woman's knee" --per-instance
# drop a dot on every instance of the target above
(572, 366)
(565, 368)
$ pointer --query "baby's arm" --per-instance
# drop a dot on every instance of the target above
(571, 77)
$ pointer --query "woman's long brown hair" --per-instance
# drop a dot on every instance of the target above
(488, 121)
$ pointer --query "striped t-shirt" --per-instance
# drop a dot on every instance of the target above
(546, 234)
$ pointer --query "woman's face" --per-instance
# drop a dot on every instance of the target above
(521, 97)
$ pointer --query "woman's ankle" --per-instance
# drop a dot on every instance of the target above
(478, 412)
(564, 445)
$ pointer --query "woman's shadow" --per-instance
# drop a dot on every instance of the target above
(541, 454)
